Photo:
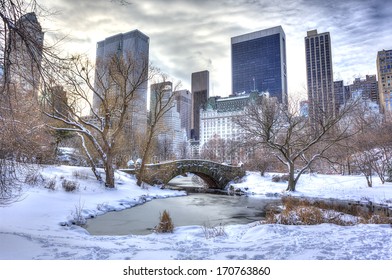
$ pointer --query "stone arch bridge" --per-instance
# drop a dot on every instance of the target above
(216, 175)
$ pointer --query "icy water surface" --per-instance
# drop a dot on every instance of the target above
(195, 209)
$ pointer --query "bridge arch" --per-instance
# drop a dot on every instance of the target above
(215, 174)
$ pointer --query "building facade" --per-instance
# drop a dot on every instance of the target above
(384, 73)
(258, 63)
(319, 74)
(200, 84)
(342, 95)
(170, 136)
(184, 108)
(367, 88)
(132, 47)
(217, 124)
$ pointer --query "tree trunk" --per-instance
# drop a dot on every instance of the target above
(142, 169)
(109, 171)
(292, 182)
(369, 179)
(140, 175)
(90, 159)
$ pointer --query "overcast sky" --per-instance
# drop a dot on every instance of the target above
(194, 35)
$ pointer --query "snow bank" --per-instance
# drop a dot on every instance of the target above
(40, 225)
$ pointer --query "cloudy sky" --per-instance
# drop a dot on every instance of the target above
(193, 35)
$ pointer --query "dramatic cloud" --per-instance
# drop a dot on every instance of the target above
(194, 35)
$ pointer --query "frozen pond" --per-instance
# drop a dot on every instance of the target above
(195, 209)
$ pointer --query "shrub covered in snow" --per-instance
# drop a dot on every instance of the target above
(69, 186)
(78, 218)
(214, 231)
(51, 184)
(34, 178)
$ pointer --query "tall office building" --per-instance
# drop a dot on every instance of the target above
(184, 108)
(258, 63)
(133, 46)
(384, 73)
(25, 54)
(200, 93)
(169, 134)
(319, 73)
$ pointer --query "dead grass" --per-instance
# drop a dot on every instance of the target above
(297, 211)
(80, 175)
(166, 224)
(213, 231)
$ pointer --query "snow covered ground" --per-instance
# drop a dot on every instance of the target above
(39, 225)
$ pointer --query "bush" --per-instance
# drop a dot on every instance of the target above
(78, 218)
(214, 231)
(282, 178)
(69, 186)
(51, 184)
(297, 211)
(34, 178)
(80, 175)
(165, 224)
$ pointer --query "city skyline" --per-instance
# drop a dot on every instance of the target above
(193, 36)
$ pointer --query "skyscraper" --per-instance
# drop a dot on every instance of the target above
(169, 133)
(200, 93)
(184, 108)
(25, 54)
(131, 46)
(322, 102)
(384, 73)
(258, 63)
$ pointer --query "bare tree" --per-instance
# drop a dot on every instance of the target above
(291, 137)
(164, 149)
(261, 159)
(22, 54)
(211, 150)
(162, 102)
(115, 87)
(369, 151)
(184, 150)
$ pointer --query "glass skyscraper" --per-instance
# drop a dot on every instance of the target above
(258, 63)
(200, 94)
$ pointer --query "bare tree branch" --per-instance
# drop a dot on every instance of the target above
(291, 136)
